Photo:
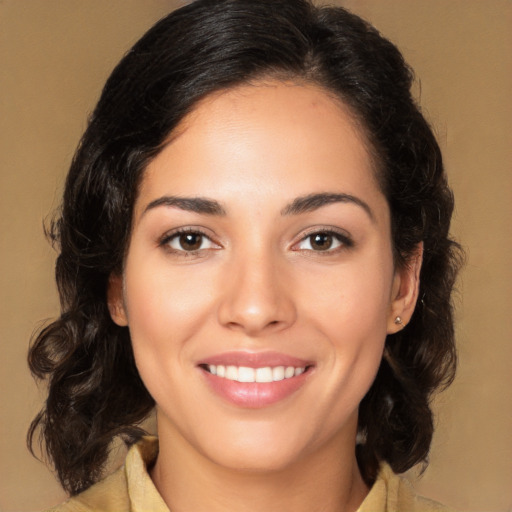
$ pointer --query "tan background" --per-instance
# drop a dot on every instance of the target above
(54, 58)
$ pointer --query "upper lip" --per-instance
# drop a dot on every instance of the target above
(254, 359)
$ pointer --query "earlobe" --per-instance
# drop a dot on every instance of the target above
(405, 292)
(115, 300)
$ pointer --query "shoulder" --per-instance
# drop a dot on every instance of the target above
(110, 493)
(124, 488)
(391, 493)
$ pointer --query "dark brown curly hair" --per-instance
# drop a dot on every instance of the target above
(94, 391)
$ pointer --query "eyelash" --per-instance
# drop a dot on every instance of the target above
(344, 241)
(166, 240)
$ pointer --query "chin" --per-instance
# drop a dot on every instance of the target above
(260, 448)
(255, 459)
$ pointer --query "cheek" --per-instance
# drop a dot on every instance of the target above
(355, 298)
(350, 307)
(166, 307)
(158, 295)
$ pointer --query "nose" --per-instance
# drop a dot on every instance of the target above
(257, 297)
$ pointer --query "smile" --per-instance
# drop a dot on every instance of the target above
(255, 379)
(259, 375)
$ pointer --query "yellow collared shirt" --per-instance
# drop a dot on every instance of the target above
(130, 489)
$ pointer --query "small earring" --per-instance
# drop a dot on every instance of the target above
(398, 321)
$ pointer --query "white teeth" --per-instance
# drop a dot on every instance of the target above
(232, 373)
(246, 374)
(289, 372)
(264, 374)
(278, 373)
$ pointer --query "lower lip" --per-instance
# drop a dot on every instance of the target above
(254, 395)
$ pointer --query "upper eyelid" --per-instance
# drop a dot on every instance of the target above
(165, 241)
(340, 233)
(344, 237)
(185, 229)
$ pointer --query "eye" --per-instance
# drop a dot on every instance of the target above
(324, 241)
(188, 241)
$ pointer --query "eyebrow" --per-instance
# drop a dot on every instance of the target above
(303, 204)
(201, 205)
(313, 202)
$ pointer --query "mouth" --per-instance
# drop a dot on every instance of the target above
(254, 375)
(255, 380)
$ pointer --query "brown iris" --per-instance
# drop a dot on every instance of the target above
(321, 241)
(190, 241)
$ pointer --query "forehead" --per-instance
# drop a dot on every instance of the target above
(264, 136)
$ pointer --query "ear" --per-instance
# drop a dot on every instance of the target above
(406, 286)
(115, 300)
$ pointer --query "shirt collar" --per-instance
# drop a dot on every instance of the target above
(144, 497)
(142, 492)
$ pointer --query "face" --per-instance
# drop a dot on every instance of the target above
(259, 283)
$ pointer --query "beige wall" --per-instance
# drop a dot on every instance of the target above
(54, 56)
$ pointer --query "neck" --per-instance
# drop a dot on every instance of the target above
(328, 480)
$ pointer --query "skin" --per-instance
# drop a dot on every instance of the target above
(257, 283)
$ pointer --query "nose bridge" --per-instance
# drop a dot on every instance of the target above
(256, 297)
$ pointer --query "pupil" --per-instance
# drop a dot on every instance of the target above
(321, 241)
(190, 241)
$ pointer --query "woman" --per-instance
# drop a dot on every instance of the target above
(253, 240)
